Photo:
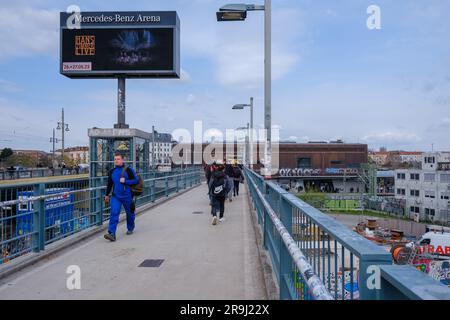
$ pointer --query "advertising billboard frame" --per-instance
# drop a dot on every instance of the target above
(167, 20)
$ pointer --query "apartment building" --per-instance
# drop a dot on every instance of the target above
(161, 150)
(426, 189)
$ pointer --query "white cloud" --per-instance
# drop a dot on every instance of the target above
(190, 99)
(445, 122)
(237, 49)
(8, 86)
(392, 137)
(25, 31)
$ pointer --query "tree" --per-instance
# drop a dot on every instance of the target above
(6, 152)
(21, 160)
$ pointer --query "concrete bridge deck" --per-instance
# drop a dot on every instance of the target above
(201, 261)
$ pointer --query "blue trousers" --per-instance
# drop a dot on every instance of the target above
(116, 205)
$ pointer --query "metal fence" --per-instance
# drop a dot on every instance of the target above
(349, 266)
(35, 215)
(40, 173)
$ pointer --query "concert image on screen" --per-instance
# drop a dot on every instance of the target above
(125, 49)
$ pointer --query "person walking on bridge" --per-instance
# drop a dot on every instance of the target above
(120, 180)
(237, 179)
(218, 189)
(229, 172)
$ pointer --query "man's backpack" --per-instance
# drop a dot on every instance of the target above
(138, 188)
(218, 187)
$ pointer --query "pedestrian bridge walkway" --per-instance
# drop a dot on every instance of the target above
(201, 261)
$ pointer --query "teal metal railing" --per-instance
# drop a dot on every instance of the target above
(349, 266)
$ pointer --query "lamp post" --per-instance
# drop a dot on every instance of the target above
(63, 127)
(53, 140)
(250, 134)
(238, 12)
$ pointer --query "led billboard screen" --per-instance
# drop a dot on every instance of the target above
(108, 50)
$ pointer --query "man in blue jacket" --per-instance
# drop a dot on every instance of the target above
(120, 180)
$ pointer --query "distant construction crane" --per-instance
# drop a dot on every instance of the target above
(368, 175)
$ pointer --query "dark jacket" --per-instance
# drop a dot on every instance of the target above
(237, 174)
(121, 190)
(218, 175)
(229, 170)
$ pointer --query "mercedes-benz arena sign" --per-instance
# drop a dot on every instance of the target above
(112, 44)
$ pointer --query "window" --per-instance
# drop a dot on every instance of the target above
(414, 193)
(429, 212)
(304, 163)
(429, 177)
(445, 196)
(430, 194)
(445, 178)
(414, 176)
(336, 162)
(429, 159)
(415, 210)
(401, 191)
(401, 176)
(425, 242)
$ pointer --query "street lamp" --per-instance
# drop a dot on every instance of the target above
(54, 140)
(238, 12)
(63, 127)
(241, 107)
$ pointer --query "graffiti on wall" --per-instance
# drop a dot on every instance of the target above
(302, 172)
(438, 270)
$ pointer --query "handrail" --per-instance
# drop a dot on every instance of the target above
(45, 196)
(314, 283)
(373, 262)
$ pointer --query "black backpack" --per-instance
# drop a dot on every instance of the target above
(138, 188)
(219, 187)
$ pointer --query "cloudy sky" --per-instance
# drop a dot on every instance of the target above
(332, 76)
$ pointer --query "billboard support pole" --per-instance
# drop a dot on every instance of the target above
(121, 103)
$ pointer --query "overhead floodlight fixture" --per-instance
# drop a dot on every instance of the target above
(239, 106)
(236, 12)
(231, 15)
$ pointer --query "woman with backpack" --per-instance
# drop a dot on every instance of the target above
(218, 190)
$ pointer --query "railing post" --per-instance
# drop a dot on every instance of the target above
(370, 276)
(100, 211)
(166, 180)
(39, 218)
(264, 217)
(176, 178)
(98, 202)
(152, 190)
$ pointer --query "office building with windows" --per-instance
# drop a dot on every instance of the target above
(426, 188)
